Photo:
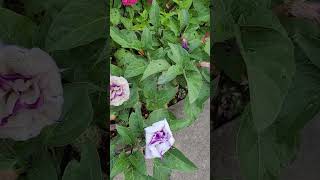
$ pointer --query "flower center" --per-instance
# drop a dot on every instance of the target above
(17, 92)
(115, 91)
(159, 136)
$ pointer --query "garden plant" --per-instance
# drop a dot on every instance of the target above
(160, 55)
(271, 47)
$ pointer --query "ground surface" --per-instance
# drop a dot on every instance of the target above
(194, 142)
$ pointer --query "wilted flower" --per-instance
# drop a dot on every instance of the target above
(129, 2)
(31, 94)
(184, 44)
(119, 90)
(159, 139)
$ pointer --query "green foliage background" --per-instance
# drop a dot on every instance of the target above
(147, 51)
(280, 57)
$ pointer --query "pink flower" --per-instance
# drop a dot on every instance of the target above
(129, 2)
(119, 90)
(159, 139)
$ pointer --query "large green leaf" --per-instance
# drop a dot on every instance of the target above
(160, 172)
(194, 83)
(155, 14)
(71, 28)
(125, 38)
(76, 117)
(263, 154)
(192, 110)
(121, 164)
(7, 163)
(311, 47)
(126, 134)
(42, 168)
(222, 21)
(178, 54)
(171, 74)
(160, 99)
(137, 161)
(269, 59)
(15, 28)
(135, 68)
(175, 159)
(258, 152)
(154, 67)
(303, 100)
(146, 38)
(89, 167)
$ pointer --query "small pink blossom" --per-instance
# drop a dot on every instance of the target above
(159, 139)
(119, 90)
(129, 2)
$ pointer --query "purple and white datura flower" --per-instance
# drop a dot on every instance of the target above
(119, 90)
(31, 94)
(159, 139)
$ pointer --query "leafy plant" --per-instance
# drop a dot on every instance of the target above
(158, 48)
(279, 58)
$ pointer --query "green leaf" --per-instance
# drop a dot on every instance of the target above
(15, 29)
(136, 122)
(171, 74)
(137, 161)
(146, 38)
(76, 116)
(270, 65)
(160, 99)
(194, 83)
(7, 163)
(160, 172)
(115, 70)
(71, 29)
(125, 38)
(192, 110)
(178, 54)
(203, 10)
(207, 47)
(223, 24)
(89, 167)
(311, 46)
(183, 17)
(115, 16)
(186, 4)
(154, 67)
(133, 174)
(258, 153)
(155, 14)
(135, 68)
(126, 134)
(42, 168)
(174, 159)
(121, 164)
(302, 102)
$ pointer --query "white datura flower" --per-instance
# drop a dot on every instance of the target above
(119, 90)
(31, 94)
(159, 139)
